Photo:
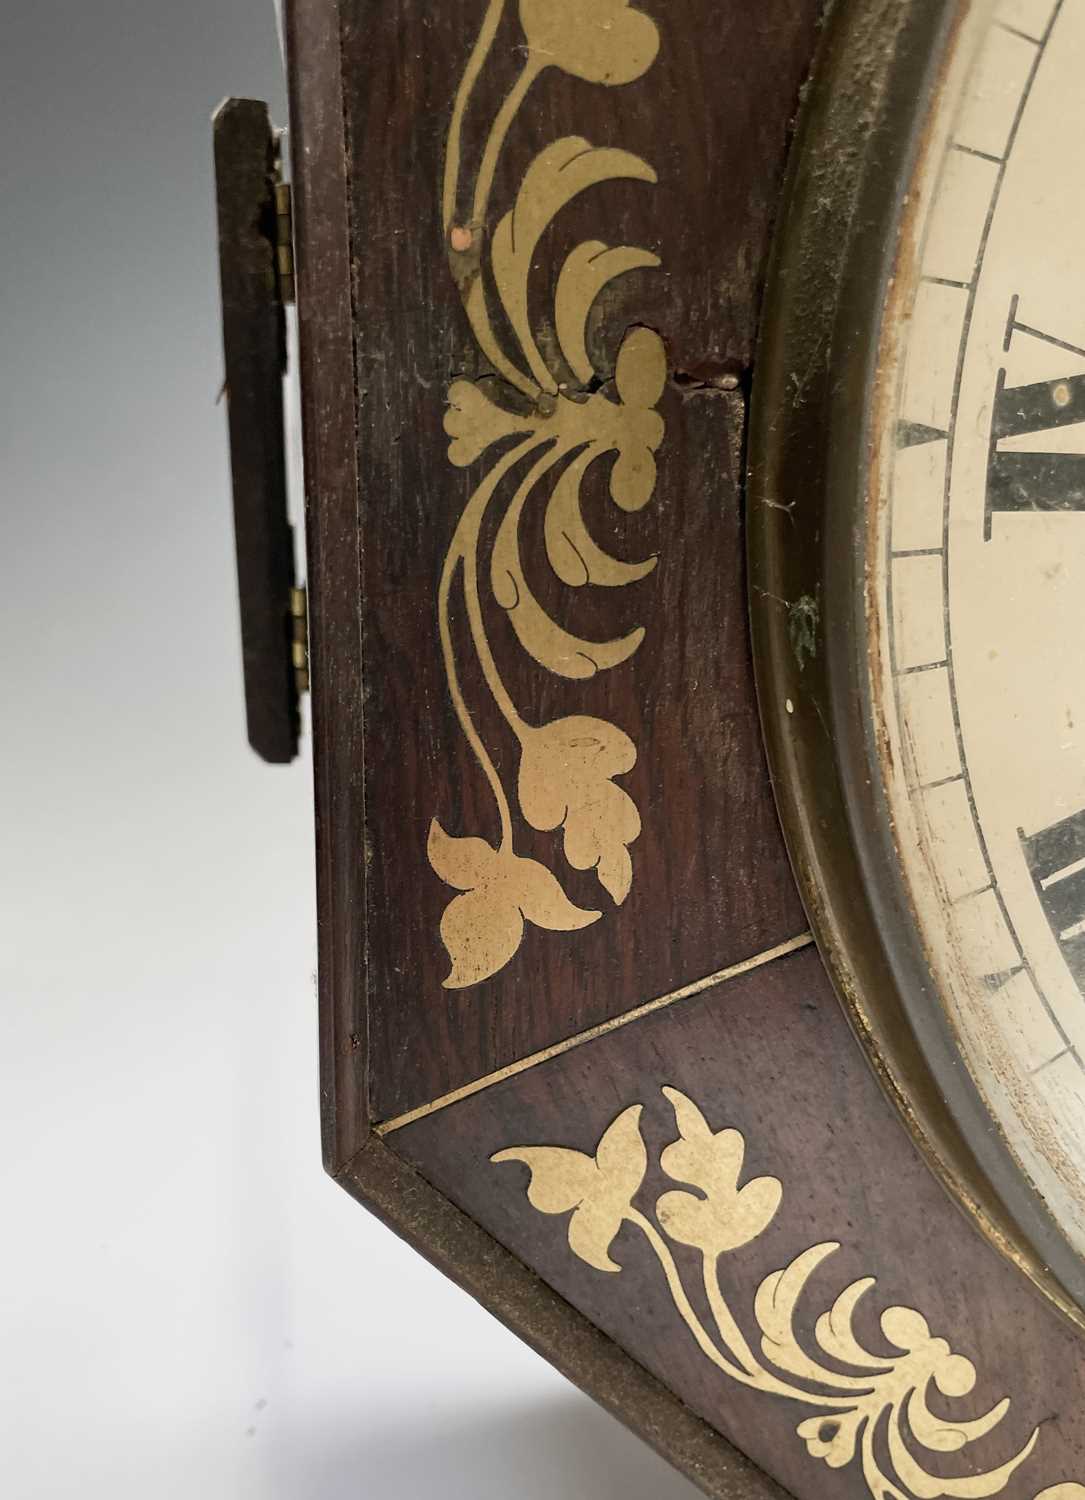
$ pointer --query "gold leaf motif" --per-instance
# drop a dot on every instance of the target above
(574, 556)
(482, 927)
(599, 1189)
(558, 431)
(565, 782)
(604, 42)
(889, 1397)
(640, 375)
(833, 1328)
(774, 1308)
(550, 644)
(474, 423)
(557, 175)
(832, 1441)
(727, 1216)
(585, 273)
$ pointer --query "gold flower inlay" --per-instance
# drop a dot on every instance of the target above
(555, 416)
(865, 1407)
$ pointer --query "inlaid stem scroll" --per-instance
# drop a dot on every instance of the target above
(560, 417)
(866, 1408)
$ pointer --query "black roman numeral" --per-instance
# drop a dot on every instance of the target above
(1035, 481)
(1056, 860)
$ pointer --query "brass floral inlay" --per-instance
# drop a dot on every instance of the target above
(555, 416)
(866, 1407)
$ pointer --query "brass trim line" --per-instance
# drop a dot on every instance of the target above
(696, 987)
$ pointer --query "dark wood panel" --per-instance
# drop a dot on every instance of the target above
(254, 351)
(711, 883)
(462, 1250)
(770, 1055)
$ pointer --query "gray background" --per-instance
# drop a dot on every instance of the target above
(187, 1306)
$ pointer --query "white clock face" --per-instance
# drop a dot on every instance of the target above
(977, 574)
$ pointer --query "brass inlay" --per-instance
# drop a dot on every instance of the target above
(550, 403)
(876, 1411)
(697, 986)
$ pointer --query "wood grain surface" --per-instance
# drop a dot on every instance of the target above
(770, 1054)
(325, 337)
(711, 882)
(254, 354)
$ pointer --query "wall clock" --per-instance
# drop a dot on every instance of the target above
(730, 1057)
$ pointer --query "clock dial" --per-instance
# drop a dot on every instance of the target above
(977, 568)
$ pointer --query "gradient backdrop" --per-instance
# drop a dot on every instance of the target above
(188, 1308)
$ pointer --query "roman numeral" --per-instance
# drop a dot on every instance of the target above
(1056, 860)
(1030, 481)
(1031, 477)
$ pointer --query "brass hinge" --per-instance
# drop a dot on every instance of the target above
(284, 241)
(299, 638)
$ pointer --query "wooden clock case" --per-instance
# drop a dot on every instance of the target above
(695, 1010)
